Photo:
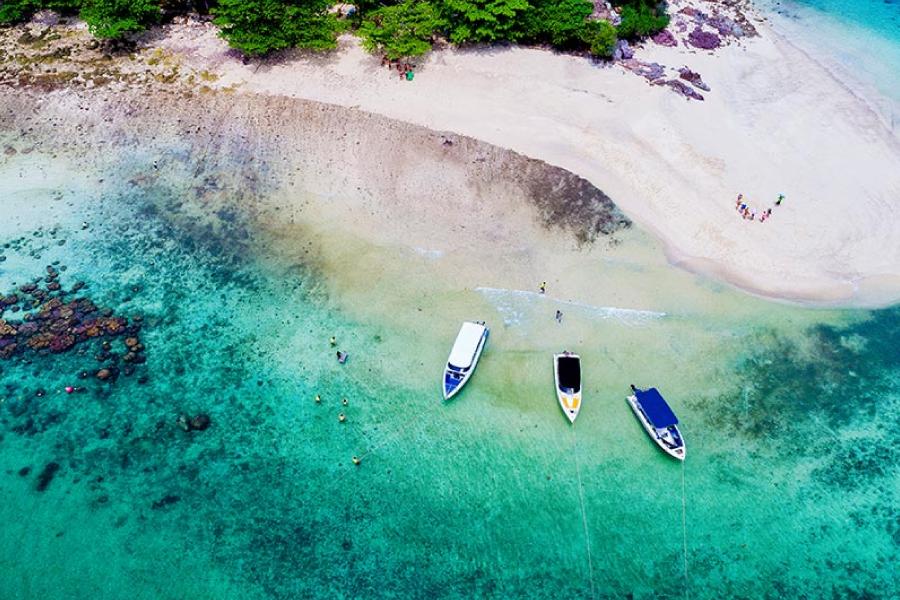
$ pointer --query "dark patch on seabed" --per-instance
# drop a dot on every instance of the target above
(830, 400)
(566, 200)
(836, 374)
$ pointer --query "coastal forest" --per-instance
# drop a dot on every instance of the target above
(397, 29)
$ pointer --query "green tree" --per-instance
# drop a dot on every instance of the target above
(556, 22)
(600, 37)
(63, 7)
(113, 19)
(16, 11)
(258, 27)
(640, 21)
(401, 30)
(484, 20)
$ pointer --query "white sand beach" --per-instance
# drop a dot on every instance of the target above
(774, 122)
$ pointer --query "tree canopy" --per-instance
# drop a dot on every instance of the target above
(258, 27)
(402, 30)
(484, 20)
(113, 19)
(556, 22)
(640, 19)
(396, 28)
(15, 11)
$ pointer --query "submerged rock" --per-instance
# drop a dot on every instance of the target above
(165, 501)
(199, 422)
(46, 476)
(6, 329)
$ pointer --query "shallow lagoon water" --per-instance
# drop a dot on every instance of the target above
(790, 487)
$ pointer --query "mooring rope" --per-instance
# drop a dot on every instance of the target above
(587, 535)
(684, 530)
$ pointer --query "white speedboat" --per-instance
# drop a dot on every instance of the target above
(464, 356)
(567, 373)
(658, 420)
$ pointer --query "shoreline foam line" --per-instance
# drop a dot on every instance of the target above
(628, 316)
(684, 531)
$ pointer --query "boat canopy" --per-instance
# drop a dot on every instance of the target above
(655, 407)
(466, 344)
(569, 372)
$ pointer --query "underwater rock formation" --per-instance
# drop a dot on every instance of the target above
(54, 322)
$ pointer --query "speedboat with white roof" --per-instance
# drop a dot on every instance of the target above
(658, 420)
(464, 356)
(567, 374)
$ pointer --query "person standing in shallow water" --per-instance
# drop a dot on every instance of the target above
(559, 316)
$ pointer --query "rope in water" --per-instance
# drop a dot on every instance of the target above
(587, 535)
(684, 530)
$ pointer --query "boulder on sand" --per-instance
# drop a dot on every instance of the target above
(703, 39)
(664, 38)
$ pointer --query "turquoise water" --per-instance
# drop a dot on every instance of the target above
(790, 488)
(859, 40)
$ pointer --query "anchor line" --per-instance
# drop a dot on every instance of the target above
(587, 535)
(684, 531)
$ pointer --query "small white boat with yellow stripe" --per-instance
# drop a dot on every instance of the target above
(567, 373)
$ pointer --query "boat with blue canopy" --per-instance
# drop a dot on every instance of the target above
(464, 356)
(658, 420)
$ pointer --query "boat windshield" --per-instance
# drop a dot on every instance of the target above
(569, 372)
(453, 367)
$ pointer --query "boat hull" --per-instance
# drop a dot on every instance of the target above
(676, 453)
(570, 403)
(465, 376)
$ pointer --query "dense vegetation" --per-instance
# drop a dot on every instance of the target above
(395, 28)
(258, 27)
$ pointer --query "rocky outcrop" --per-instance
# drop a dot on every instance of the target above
(683, 89)
(665, 38)
(693, 78)
(703, 39)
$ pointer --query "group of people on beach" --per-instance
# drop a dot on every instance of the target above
(749, 214)
(404, 69)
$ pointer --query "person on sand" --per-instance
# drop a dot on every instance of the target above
(543, 287)
(559, 316)
(780, 200)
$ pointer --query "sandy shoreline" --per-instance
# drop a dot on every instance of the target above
(774, 122)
